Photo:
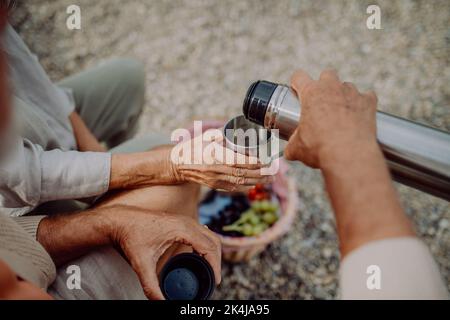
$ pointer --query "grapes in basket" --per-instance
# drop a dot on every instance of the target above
(238, 215)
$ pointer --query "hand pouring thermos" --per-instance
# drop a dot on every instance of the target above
(417, 155)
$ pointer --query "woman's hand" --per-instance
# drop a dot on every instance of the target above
(205, 160)
(145, 236)
(201, 160)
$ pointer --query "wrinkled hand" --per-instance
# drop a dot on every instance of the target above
(336, 119)
(145, 236)
(205, 160)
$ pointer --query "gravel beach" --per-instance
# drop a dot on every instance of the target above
(200, 57)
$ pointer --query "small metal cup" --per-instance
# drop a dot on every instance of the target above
(247, 138)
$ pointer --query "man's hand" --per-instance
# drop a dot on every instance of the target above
(336, 119)
(143, 236)
(337, 133)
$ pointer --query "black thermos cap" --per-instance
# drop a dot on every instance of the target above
(257, 99)
(187, 276)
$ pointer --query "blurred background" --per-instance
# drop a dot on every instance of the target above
(200, 57)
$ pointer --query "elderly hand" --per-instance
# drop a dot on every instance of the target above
(336, 119)
(205, 160)
(145, 236)
(142, 235)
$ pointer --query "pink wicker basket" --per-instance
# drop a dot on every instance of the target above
(238, 249)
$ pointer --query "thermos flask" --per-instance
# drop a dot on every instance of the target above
(417, 155)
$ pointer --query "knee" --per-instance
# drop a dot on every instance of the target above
(132, 75)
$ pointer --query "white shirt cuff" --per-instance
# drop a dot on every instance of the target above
(73, 174)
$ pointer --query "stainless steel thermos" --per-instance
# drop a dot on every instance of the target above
(417, 155)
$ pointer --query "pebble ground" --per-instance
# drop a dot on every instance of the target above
(200, 56)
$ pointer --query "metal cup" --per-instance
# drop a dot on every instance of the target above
(248, 138)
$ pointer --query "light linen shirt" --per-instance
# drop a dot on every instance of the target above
(38, 157)
(394, 268)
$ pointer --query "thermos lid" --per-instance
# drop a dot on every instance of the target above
(187, 276)
(257, 99)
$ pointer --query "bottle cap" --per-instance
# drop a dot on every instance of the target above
(257, 99)
(187, 276)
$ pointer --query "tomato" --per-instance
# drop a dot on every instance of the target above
(260, 187)
(252, 194)
(261, 196)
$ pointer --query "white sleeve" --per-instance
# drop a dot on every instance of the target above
(30, 79)
(30, 176)
(396, 268)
